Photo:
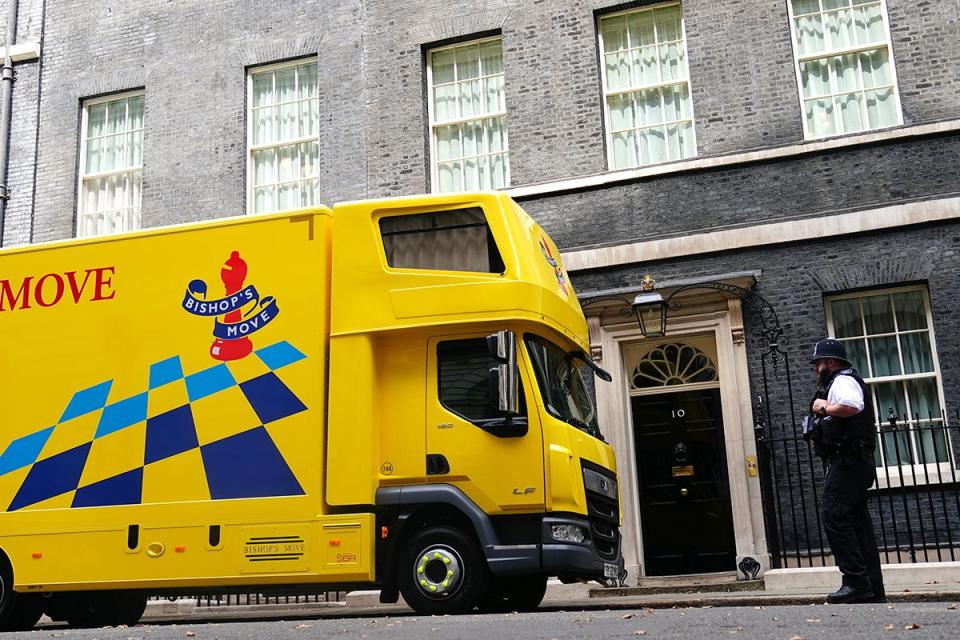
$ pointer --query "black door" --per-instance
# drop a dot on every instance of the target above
(684, 498)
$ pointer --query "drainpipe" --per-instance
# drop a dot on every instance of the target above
(6, 99)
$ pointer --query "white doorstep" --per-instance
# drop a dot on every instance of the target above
(896, 577)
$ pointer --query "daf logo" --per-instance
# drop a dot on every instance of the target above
(523, 492)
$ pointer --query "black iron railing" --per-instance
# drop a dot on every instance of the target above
(259, 599)
(246, 599)
(915, 502)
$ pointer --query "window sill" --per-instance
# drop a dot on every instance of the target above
(920, 476)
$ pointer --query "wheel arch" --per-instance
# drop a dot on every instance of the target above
(18, 611)
(443, 502)
(6, 566)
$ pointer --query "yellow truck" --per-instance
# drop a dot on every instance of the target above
(387, 394)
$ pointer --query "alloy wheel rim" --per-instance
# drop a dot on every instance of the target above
(438, 571)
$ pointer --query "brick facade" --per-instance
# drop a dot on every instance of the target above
(191, 60)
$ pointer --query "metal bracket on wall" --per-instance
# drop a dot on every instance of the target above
(749, 567)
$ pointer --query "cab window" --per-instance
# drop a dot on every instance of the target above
(560, 376)
(464, 381)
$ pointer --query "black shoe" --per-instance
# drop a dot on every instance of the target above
(879, 598)
(848, 595)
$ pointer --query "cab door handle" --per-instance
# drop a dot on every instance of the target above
(437, 464)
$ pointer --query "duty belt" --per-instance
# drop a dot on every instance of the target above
(858, 450)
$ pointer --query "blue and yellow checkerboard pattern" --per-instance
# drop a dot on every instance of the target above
(212, 426)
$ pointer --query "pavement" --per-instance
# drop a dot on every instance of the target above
(559, 598)
(906, 583)
(907, 621)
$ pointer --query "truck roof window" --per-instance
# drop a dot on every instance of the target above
(457, 240)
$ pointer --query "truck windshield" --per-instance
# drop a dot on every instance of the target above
(560, 379)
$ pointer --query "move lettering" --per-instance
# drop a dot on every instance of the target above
(51, 289)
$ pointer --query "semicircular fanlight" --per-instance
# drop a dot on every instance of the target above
(672, 364)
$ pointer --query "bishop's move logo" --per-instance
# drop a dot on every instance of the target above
(231, 336)
(557, 270)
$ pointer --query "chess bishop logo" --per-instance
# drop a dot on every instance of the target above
(557, 270)
(232, 335)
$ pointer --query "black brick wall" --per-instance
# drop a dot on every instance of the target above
(841, 180)
(794, 280)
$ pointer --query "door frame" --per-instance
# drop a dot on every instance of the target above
(614, 412)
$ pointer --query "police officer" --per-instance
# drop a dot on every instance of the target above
(845, 437)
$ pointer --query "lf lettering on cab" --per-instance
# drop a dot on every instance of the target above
(49, 289)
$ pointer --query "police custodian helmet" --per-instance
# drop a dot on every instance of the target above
(829, 348)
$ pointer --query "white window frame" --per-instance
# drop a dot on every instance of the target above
(82, 164)
(251, 148)
(608, 126)
(915, 473)
(433, 124)
(823, 55)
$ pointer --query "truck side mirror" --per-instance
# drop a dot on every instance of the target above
(504, 378)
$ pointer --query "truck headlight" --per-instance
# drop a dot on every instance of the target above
(599, 483)
(566, 533)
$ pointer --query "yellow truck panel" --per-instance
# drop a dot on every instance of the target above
(117, 407)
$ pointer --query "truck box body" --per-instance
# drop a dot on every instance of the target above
(116, 414)
(267, 400)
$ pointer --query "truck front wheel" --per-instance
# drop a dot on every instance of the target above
(514, 593)
(441, 570)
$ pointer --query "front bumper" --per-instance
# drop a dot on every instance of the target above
(592, 559)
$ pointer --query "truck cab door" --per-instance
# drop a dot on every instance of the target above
(497, 463)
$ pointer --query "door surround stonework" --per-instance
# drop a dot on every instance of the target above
(721, 320)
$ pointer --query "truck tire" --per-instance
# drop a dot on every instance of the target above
(128, 607)
(18, 611)
(57, 606)
(106, 609)
(514, 593)
(442, 570)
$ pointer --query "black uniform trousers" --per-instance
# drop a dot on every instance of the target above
(847, 521)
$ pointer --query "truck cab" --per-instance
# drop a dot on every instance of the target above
(460, 407)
